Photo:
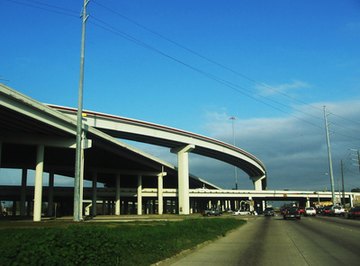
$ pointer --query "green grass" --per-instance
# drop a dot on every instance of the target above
(107, 243)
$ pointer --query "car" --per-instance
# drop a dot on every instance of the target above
(326, 210)
(319, 210)
(310, 211)
(241, 212)
(292, 213)
(269, 211)
(353, 213)
(212, 212)
(337, 210)
(301, 211)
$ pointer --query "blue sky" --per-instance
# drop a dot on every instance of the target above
(271, 64)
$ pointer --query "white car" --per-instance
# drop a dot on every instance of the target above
(241, 212)
(337, 210)
(310, 211)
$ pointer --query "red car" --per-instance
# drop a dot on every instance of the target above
(301, 211)
(353, 213)
(326, 210)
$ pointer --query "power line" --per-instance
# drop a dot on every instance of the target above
(231, 85)
(240, 89)
(221, 65)
(46, 7)
(262, 84)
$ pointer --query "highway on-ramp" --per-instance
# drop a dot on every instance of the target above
(274, 241)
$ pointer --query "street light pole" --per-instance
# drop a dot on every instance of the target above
(233, 134)
(79, 158)
(329, 157)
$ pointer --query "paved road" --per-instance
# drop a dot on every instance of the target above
(274, 241)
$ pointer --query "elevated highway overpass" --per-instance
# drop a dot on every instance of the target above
(175, 139)
(199, 198)
(36, 136)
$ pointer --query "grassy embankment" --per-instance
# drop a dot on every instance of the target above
(107, 243)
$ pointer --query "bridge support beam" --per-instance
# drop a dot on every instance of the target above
(38, 183)
(307, 205)
(160, 192)
(117, 196)
(51, 194)
(0, 151)
(259, 183)
(94, 195)
(139, 195)
(23, 192)
(183, 178)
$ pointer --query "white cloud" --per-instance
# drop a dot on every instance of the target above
(293, 148)
(285, 88)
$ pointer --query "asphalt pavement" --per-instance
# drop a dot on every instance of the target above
(274, 241)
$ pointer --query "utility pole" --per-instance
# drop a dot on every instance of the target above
(329, 157)
(235, 168)
(343, 186)
(79, 160)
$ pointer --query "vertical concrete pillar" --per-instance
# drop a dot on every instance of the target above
(183, 182)
(51, 194)
(258, 183)
(117, 198)
(183, 178)
(139, 195)
(23, 192)
(103, 208)
(0, 152)
(263, 205)
(94, 194)
(38, 183)
(28, 209)
(251, 208)
(14, 208)
(160, 194)
(307, 202)
(109, 207)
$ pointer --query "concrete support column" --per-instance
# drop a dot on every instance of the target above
(258, 183)
(28, 209)
(351, 200)
(263, 205)
(160, 194)
(183, 178)
(103, 207)
(307, 203)
(109, 205)
(0, 152)
(94, 194)
(251, 208)
(23, 192)
(139, 195)
(117, 198)
(51, 194)
(38, 183)
(14, 208)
